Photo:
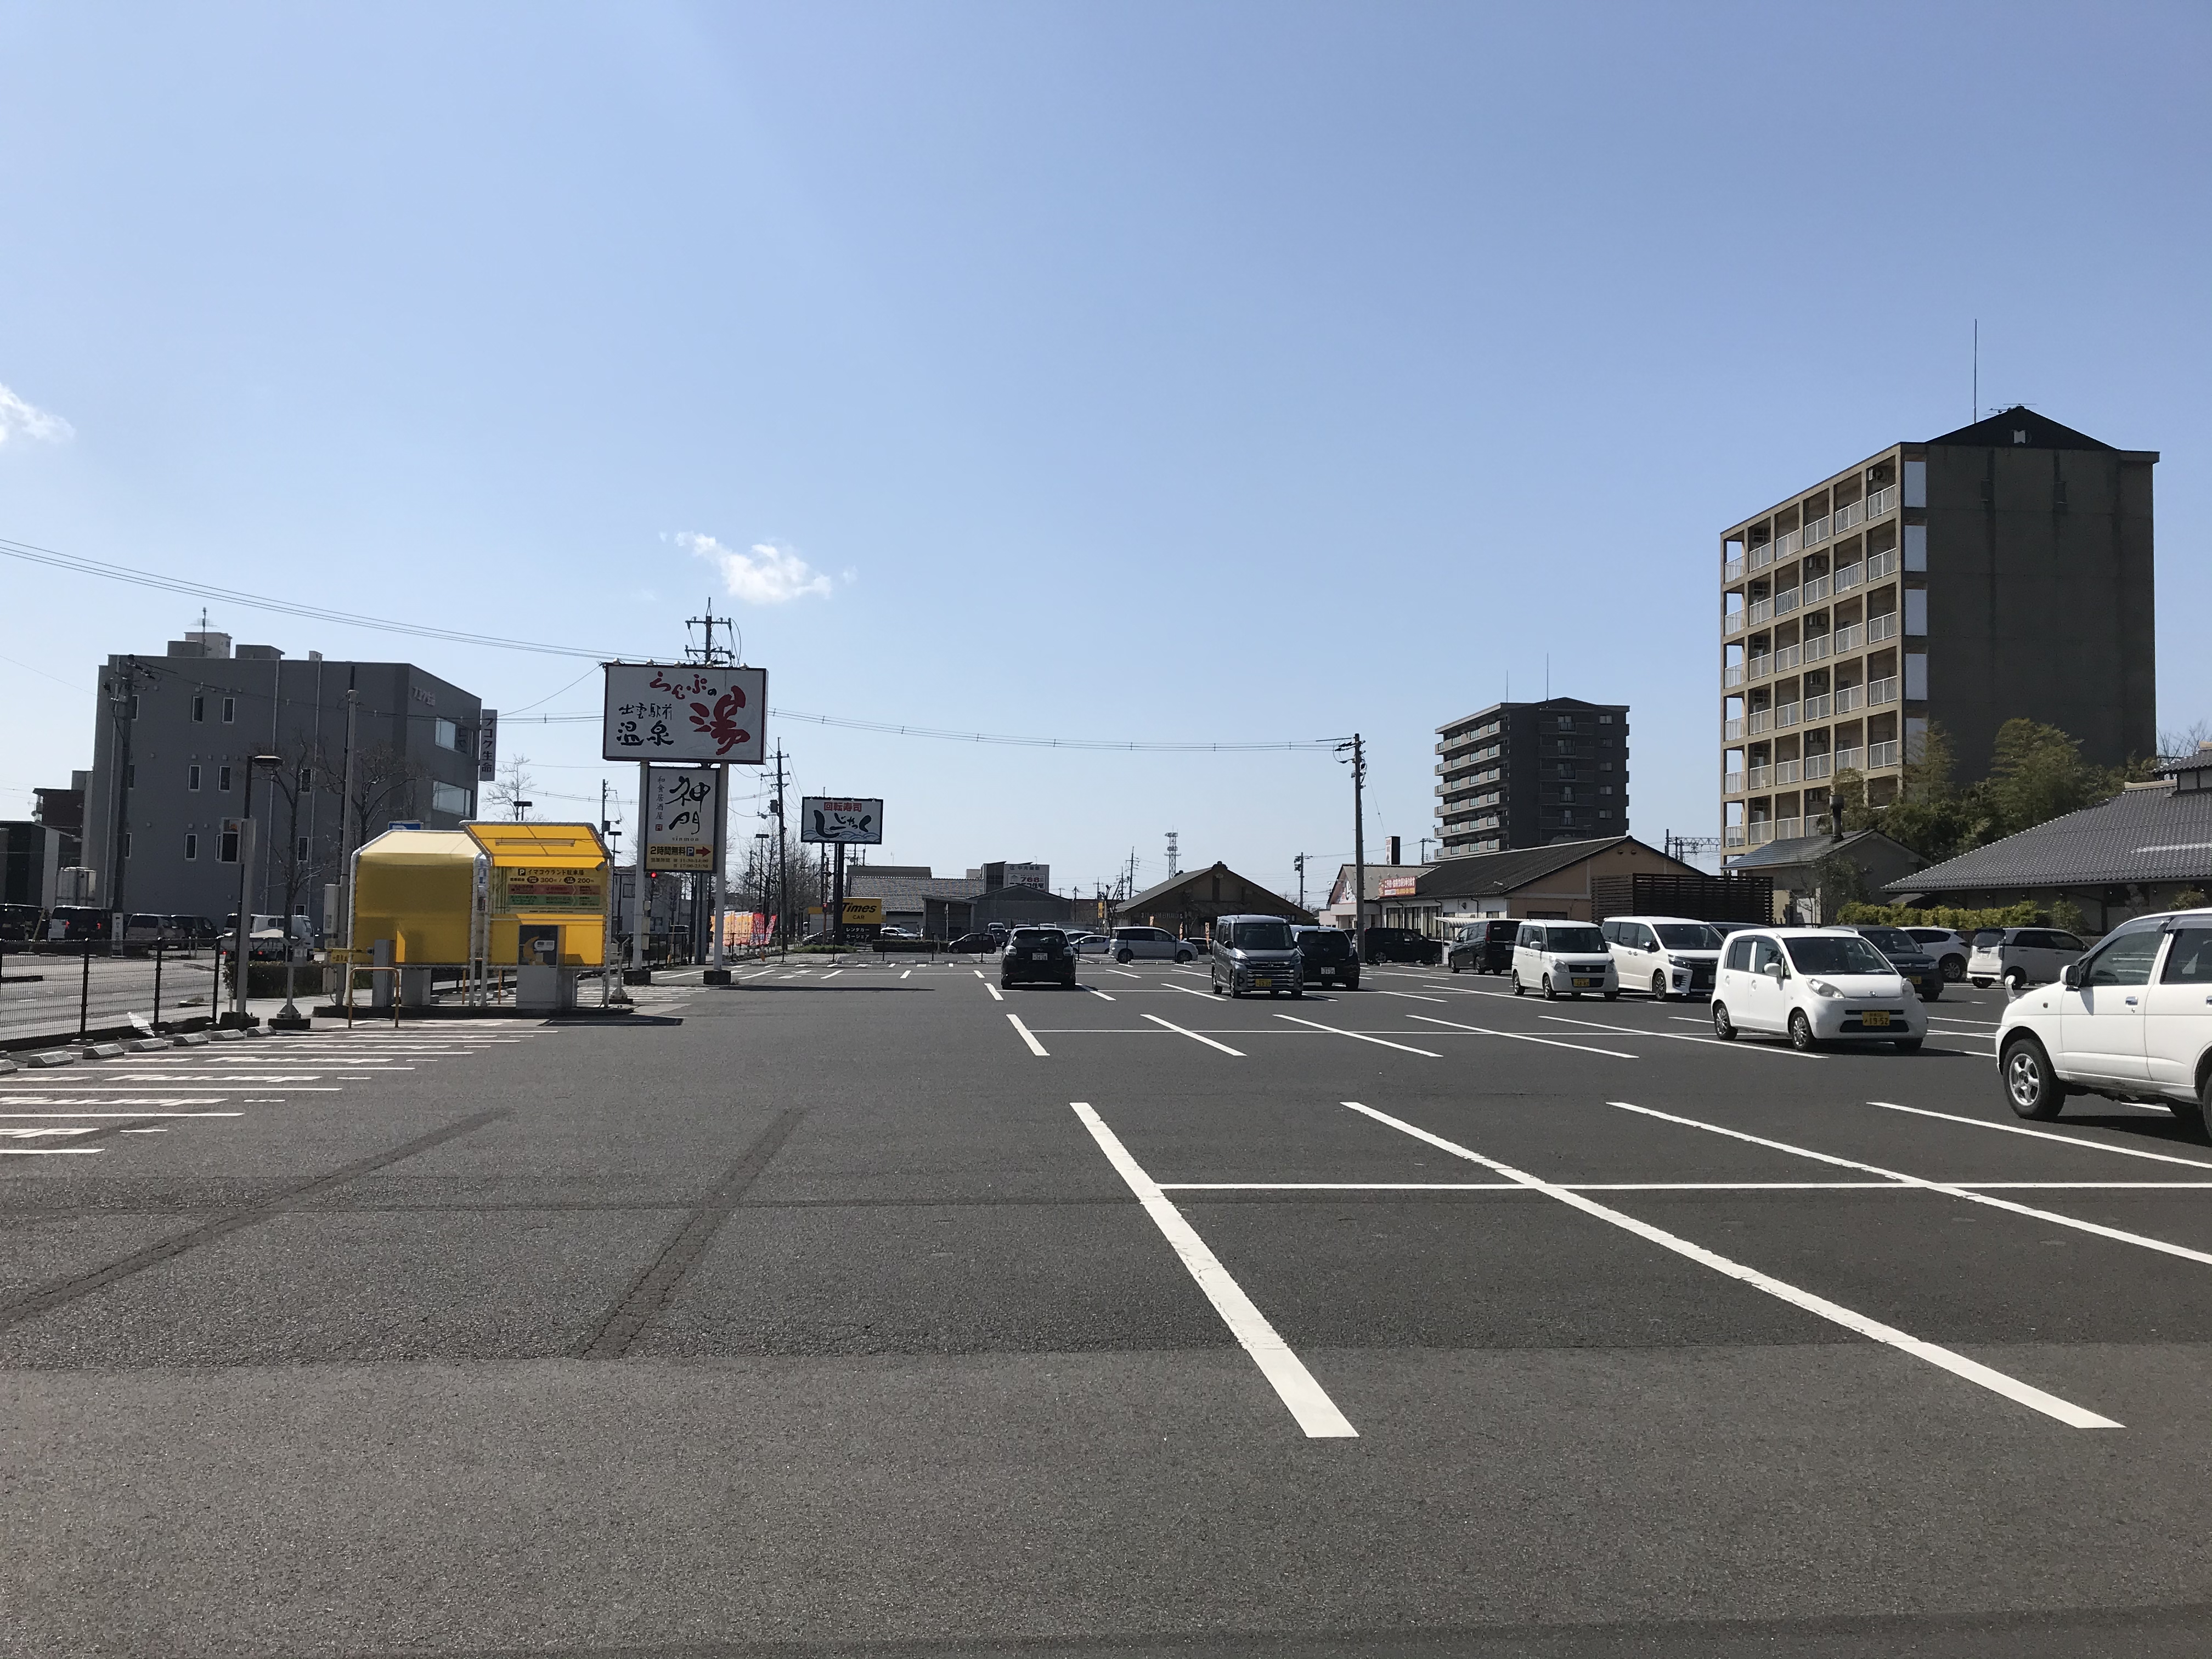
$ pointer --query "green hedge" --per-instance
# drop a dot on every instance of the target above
(2023, 915)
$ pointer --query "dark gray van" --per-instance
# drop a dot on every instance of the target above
(1257, 953)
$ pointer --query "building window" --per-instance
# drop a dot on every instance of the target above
(450, 798)
(222, 779)
(446, 734)
(134, 705)
(191, 847)
(191, 777)
(1566, 722)
(126, 843)
(226, 849)
(229, 710)
(1604, 720)
(199, 708)
(299, 848)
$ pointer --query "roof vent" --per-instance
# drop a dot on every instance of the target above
(2019, 435)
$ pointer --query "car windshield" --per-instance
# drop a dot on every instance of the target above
(1989, 939)
(1890, 939)
(1262, 936)
(1031, 937)
(1687, 936)
(1837, 953)
(1325, 943)
(1575, 938)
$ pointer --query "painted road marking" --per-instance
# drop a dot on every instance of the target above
(129, 1117)
(1124, 973)
(2045, 1134)
(1036, 1047)
(908, 975)
(1362, 1037)
(1947, 1189)
(1676, 1037)
(1100, 995)
(1194, 1037)
(1958, 1364)
(1411, 997)
(1294, 1385)
(993, 990)
(48, 1152)
(1524, 1037)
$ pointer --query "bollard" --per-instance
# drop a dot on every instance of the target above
(157, 987)
(84, 994)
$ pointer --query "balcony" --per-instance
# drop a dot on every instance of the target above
(1759, 611)
(1849, 760)
(1731, 623)
(1785, 659)
(1762, 832)
(1731, 674)
(1760, 777)
(1815, 648)
(1731, 783)
(1731, 730)
(1760, 666)
(1788, 829)
(1761, 719)
(1785, 714)
(1879, 565)
(1732, 834)
(1785, 545)
(1785, 602)
(1881, 502)
(1732, 571)
(1815, 531)
(1848, 697)
(1846, 516)
(1816, 589)
(1785, 772)
(1882, 691)
(1817, 767)
(1850, 637)
(1762, 556)
(1881, 756)
(1816, 709)
(1881, 628)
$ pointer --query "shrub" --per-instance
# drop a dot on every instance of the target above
(2023, 915)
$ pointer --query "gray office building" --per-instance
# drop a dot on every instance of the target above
(2002, 569)
(1529, 774)
(172, 739)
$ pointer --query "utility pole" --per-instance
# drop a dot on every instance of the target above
(1358, 761)
(121, 690)
(1300, 863)
(782, 870)
(345, 820)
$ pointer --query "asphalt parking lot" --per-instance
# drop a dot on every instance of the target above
(875, 1308)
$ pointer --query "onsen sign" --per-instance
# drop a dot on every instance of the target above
(685, 712)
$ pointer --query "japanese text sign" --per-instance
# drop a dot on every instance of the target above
(679, 818)
(687, 712)
(835, 819)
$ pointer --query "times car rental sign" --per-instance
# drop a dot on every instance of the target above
(694, 712)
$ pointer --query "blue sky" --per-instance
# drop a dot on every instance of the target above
(1157, 371)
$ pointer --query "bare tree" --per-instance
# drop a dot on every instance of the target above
(513, 786)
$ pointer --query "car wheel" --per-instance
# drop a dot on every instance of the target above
(1352, 984)
(1801, 1033)
(2016, 981)
(1513, 979)
(2032, 1088)
(1659, 992)
(1183, 956)
(1125, 956)
(1613, 996)
(1955, 968)
(1906, 1045)
(1545, 984)
(1932, 992)
(1723, 1028)
(1213, 985)
(1455, 967)
(1297, 992)
(1981, 985)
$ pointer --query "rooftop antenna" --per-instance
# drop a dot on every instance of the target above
(1172, 869)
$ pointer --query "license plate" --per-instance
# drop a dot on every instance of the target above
(1036, 955)
(1874, 1022)
(1587, 984)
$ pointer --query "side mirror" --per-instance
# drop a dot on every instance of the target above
(1774, 970)
(2072, 976)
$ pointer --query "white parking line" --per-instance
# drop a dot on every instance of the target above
(1187, 991)
(2044, 1135)
(1676, 1037)
(908, 975)
(833, 973)
(1124, 973)
(1294, 1385)
(1411, 997)
(127, 1116)
(1362, 1037)
(1036, 1047)
(1947, 1189)
(1194, 1037)
(1524, 1037)
(1100, 995)
(1958, 1364)
(993, 990)
(49, 1151)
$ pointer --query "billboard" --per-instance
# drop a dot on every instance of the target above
(835, 818)
(864, 913)
(566, 891)
(1400, 886)
(684, 712)
(488, 745)
(679, 818)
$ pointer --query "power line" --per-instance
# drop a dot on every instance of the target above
(1095, 744)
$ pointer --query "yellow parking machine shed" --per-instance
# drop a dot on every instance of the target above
(548, 893)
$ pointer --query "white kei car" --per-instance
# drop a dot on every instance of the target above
(1562, 959)
(2132, 1021)
(1814, 986)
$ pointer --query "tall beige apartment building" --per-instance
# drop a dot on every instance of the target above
(1999, 570)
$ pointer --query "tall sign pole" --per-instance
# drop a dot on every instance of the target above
(782, 871)
(721, 857)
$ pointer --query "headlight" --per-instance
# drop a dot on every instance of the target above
(1822, 988)
(1678, 962)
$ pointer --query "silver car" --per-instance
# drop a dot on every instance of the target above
(1257, 953)
(2022, 956)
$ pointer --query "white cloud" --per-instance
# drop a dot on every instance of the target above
(16, 415)
(764, 574)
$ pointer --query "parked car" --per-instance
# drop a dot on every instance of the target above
(1949, 949)
(2022, 956)
(1153, 945)
(1330, 957)
(195, 930)
(1905, 954)
(149, 929)
(1380, 945)
(1672, 956)
(78, 921)
(980, 944)
(265, 938)
(1091, 945)
(1815, 985)
(1255, 953)
(2131, 1020)
(21, 922)
(1039, 954)
(1562, 959)
(1483, 947)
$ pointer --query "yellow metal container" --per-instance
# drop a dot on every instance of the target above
(547, 880)
(415, 888)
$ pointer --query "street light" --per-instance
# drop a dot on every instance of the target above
(241, 954)
(522, 806)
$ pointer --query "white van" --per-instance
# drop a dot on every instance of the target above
(1154, 944)
(1670, 956)
(1562, 959)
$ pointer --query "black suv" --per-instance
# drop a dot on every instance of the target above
(1039, 954)
(1400, 944)
(1905, 954)
(1484, 947)
(1329, 957)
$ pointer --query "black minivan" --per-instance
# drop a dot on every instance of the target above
(1400, 944)
(1330, 959)
(1485, 946)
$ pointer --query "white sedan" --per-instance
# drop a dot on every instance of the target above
(1814, 986)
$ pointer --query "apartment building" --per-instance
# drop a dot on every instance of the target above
(1529, 774)
(2002, 569)
(170, 743)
